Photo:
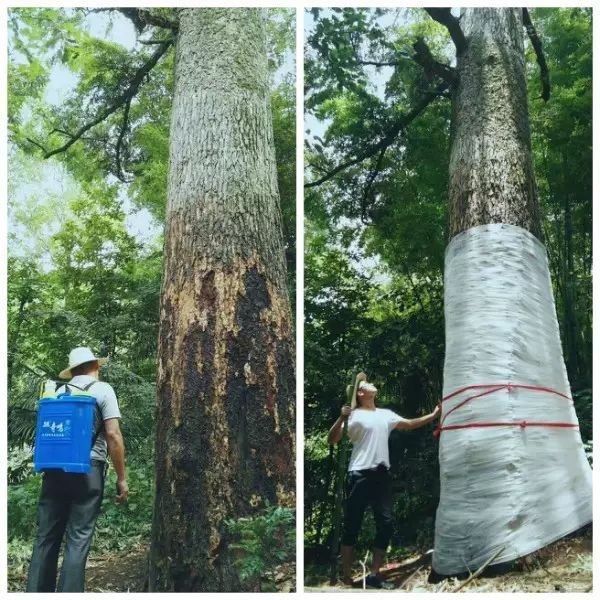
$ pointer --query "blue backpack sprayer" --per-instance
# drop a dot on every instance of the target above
(68, 425)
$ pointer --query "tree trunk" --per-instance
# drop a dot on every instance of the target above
(513, 473)
(491, 170)
(14, 342)
(225, 388)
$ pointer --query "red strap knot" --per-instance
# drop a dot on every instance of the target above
(437, 431)
(523, 424)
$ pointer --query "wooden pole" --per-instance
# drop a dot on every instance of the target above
(337, 507)
(341, 462)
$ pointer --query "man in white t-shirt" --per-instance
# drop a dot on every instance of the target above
(70, 502)
(369, 481)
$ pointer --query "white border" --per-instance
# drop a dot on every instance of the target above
(300, 6)
(3, 293)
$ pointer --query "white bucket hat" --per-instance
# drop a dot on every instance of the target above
(77, 357)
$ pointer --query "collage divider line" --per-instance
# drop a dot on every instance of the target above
(299, 298)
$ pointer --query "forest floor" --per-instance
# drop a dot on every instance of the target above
(565, 566)
(126, 572)
(117, 572)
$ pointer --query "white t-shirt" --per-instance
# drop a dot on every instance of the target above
(369, 430)
(107, 402)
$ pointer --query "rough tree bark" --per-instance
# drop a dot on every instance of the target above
(491, 169)
(225, 389)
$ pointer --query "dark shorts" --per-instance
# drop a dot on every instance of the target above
(372, 488)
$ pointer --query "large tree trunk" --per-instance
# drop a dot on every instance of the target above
(513, 473)
(225, 389)
(491, 170)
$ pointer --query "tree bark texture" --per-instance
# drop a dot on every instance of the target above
(226, 384)
(491, 169)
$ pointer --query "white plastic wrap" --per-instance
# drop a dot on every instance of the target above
(512, 487)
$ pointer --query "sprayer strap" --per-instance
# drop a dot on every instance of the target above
(97, 430)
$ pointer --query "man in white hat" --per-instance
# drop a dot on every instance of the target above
(369, 480)
(70, 502)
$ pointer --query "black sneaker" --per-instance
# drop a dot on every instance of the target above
(377, 582)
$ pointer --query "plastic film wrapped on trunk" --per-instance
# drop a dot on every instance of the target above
(513, 471)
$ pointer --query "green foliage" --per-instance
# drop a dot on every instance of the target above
(562, 147)
(18, 555)
(121, 527)
(263, 542)
(583, 400)
(22, 507)
(19, 464)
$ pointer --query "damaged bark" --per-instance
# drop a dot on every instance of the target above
(225, 389)
(491, 168)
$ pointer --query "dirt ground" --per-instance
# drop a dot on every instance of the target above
(565, 566)
(127, 573)
(117, 573)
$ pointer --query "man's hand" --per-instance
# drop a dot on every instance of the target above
(336, 431)
(122, 492)
(420, 421)
(116, 449)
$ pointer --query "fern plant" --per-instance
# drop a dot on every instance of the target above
(262, 542)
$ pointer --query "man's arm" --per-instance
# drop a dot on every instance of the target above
(419, 421)
(116, 450)
(337, 429)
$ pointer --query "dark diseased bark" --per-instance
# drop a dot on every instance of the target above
(225, 389)
(491, 170)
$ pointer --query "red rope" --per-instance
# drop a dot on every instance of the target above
(504, 385)
(491, 389)
(496, 389)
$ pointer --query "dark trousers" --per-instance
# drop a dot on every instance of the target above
(373, 488)
(69, 504)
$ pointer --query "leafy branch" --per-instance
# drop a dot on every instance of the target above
(388, 139)
(142, 17)
(124, 127)
(123, 99)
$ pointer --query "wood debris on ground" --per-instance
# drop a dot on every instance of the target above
(565, 566)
